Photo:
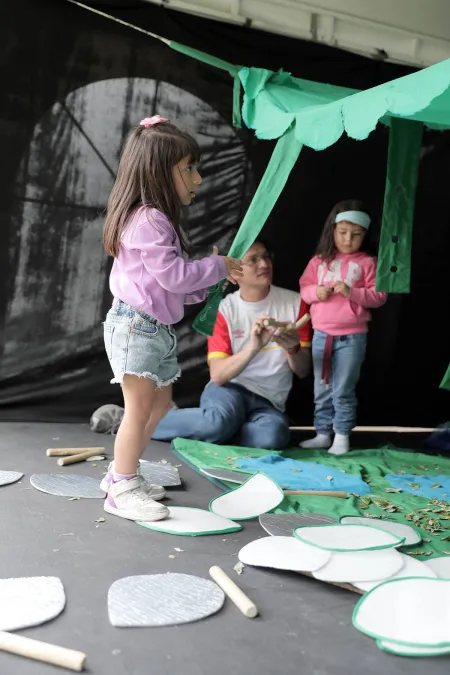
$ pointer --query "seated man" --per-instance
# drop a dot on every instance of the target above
(251, 365)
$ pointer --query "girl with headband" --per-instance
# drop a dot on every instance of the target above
(339, 285)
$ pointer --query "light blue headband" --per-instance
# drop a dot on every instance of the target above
(357, 217)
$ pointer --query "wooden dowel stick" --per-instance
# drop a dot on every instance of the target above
(73, 459)
(42, 651)
(318, 493)
(65, 452)
(400, 430)
(242, 602)
(288, 326)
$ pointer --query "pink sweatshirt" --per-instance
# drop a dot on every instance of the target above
(340, 315)
(150, 273)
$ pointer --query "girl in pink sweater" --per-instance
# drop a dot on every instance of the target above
(339, 285)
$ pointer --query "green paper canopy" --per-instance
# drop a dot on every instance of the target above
(322, 113)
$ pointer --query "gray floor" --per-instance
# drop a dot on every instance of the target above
(304, 626)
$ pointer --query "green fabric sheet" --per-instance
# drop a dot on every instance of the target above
(394, 259)
(283, 158)
(371, 465)
(445, 384)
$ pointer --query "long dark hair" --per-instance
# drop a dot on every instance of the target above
(144, 177)
(326, 248)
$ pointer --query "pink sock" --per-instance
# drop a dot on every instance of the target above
(123, 476)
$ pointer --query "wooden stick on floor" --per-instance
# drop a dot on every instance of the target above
(400, 430)
(42, 651)
(317, 493)
(242, 602)
(65, 452)
(73, 459)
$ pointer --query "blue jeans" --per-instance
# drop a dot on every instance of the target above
(336, 406)
(227, 414)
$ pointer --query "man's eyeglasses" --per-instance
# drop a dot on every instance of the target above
(255, 259)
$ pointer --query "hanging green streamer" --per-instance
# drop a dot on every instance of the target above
(283, 158)
(237, 118)
(394, 256)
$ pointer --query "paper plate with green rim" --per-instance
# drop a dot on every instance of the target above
(347, 538)
(411, 535)
(403, 650)
(440, 566)
(411, 568)
(283, 553)
(351, 567)
(191, 522)
(412, 612)
(259, 494)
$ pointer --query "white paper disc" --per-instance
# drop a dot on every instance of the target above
(159, 473)
(413, 611)
(345, 538)
(30, 601)
(283, 553)
(410, 534)
(162, 600)
(67, 485)
(409, 650)
(411, 568)
(227, 475)
(440, 566)
(192, 522)
(356, 566)
(284, 524)
(8, 477)
(259, 494)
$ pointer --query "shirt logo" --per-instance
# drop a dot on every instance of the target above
(238, 333)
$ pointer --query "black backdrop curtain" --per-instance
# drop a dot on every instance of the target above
(72, 84)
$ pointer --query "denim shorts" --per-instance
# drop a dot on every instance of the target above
(138, 344)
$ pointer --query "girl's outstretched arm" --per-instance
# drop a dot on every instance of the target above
(162, 260)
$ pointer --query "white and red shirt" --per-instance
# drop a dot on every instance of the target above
(268, 374)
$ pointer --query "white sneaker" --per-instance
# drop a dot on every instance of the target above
(128, 499)
(156, 492)
(322, 441)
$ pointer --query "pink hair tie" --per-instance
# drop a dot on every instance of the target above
(151, 121)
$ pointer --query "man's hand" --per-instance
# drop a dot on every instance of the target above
(260, 335)
(343, 289)
(287, 339)
(323, 292)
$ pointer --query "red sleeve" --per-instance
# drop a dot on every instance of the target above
(305, 332)
(219, 344)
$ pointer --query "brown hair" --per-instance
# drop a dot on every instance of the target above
(144, 177)
(326, 248)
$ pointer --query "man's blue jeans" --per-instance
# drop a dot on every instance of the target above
(336, 406)
(228, 414)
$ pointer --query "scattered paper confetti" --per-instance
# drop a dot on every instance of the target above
(73, 499)
(239, 568)
(179, 550)
(99, 520)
